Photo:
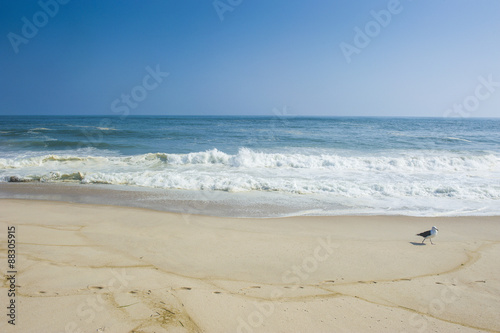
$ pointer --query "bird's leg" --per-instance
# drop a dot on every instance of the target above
(432, 242)
(423, 240)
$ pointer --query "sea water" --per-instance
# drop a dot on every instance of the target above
(313, 165)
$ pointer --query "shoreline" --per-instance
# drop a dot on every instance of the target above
(106, 268)
(211, 203)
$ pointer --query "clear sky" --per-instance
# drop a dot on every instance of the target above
(248, 57)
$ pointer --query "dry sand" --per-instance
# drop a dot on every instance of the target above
(92, 268)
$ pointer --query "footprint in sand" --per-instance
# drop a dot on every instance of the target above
(185, 288)
(96, 287)
(43, 292)
(217, 292)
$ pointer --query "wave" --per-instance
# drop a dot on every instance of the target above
(247, 158)
(94, 127)
(52, 176)
(40, 129)
(47, 142)
(367, 188)
(456, 139)
(407, 135)
(427, 182)
(84, 162)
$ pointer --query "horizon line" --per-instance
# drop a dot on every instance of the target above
(244, 115)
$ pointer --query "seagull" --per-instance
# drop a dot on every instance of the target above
(429, 234)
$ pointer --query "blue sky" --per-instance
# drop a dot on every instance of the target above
(248, 57)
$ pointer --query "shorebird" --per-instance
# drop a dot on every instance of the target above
(429, 234)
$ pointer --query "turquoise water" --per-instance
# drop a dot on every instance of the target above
(416, 166)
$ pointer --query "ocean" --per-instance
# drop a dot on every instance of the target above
(271, 166)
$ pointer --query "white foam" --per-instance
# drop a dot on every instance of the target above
(425, 182)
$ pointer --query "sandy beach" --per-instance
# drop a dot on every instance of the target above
(236, 166)
(96, 268)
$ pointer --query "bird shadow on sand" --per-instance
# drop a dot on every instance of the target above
(417, 243)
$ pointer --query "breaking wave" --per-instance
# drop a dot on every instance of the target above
(404, 175)
(247, 158)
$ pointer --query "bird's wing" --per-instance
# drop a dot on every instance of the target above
(425, 233)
